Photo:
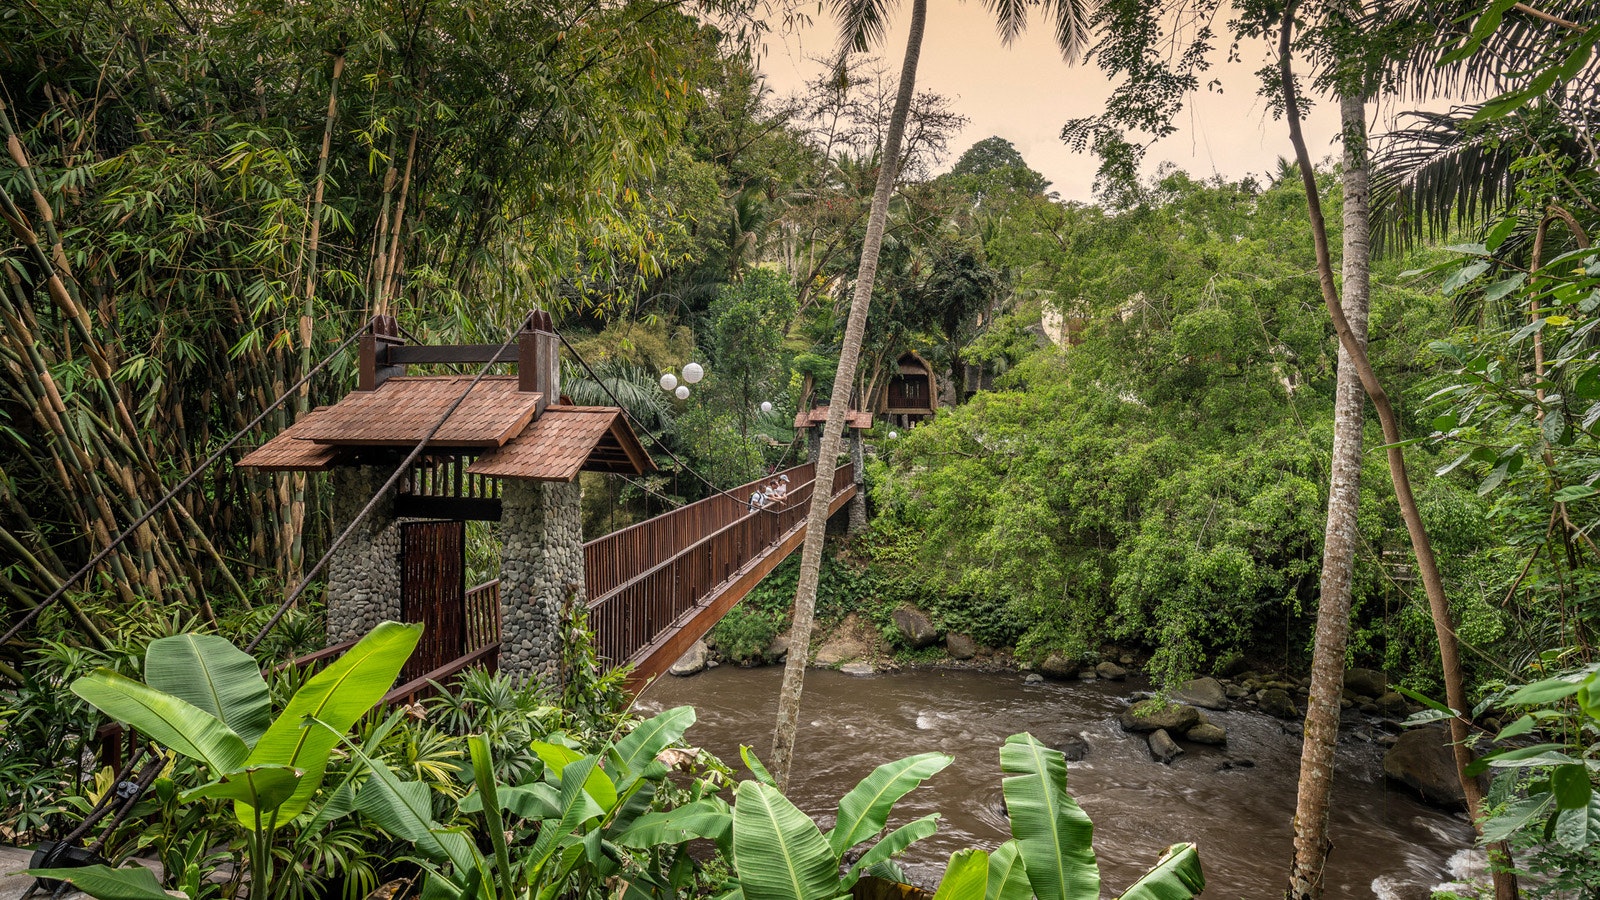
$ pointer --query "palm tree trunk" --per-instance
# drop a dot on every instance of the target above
(805, 597)
(1311, 843)
(1505, 884)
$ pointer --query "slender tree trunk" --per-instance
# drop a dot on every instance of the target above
(302, 402)
(1505, 885)
(1311, 845)
(805, 598)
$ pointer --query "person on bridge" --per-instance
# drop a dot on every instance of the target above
(758, 500)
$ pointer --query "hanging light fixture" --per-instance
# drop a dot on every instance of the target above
(682, 393)
(766, 406)
(693, 372)
(668, 381)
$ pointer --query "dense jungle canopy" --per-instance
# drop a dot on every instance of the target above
(203, 203)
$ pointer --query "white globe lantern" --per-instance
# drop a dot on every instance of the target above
(682, 393)
(693, 372)
(669, 381)
(766, 406)
(893, 435)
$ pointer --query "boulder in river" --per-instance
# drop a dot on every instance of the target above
(916, 629)
(1204, 692)
(692, 662)
(1276, 702)
(1207, 733)
(1033, 678)
(1163, 748)
(1110, 671)
(1152, 715)
(1057, 666)
(959, 646)
(1422, 760)
(858, 668)
(1366, 682)
(1235, 691)
(1074, 747)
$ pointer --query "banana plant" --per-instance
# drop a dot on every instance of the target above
(779, 853)
(205, 699)
(1051, 852)
(584, 818)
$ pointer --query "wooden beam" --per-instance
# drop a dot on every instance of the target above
(475, 509)
(425, 354)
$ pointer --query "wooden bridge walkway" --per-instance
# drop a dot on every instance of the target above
(656, 587)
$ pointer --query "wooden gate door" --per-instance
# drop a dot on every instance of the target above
(433, 590)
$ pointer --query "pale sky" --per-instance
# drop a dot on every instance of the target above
(1025, 93)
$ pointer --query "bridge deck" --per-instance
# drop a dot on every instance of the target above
(656, 587)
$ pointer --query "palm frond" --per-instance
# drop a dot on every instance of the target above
(1437, 175)
(1073, 26)
(1010, 18)
(863, 24)
(1427, 30)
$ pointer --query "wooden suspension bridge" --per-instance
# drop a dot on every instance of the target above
(650, 590)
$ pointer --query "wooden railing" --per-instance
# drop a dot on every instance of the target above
(483, 615)
(623, 555)
(674, 569)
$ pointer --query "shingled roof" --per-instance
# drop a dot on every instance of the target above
(495, 417)
(565, 440)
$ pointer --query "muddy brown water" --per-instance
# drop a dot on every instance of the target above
(1386, 844)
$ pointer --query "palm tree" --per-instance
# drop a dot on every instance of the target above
(862, 24)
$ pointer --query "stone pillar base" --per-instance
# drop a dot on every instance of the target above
(541, 568)
(364, 573)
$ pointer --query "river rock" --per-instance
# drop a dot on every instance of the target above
(1422, 760)
(777, 649)
(959, 646)
(1235, 691)
(1110, 671)
(693, 662)
(1162, 747)
(1074, 747)
(1367, 682)
(858, 668)
(1057, 666)
(1033, 678)
(1392, 705)
(915, 628)
(843, 645)
(1152, 715)
(1276, 702)
(1207, 733)
(1204, 692)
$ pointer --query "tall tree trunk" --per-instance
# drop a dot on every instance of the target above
(1505, 884)
(805, 597)
(1311, 843)
(302, 402)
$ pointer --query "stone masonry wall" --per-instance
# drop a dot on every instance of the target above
(541, 563)
(364, 574)
(858, 503)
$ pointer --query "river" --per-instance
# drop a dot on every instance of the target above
(1386, 844)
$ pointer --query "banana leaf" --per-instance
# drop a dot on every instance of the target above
(338, 697)
(778, 851)
(106, 883)
(865, 809)
(214, 675)
(965, 877)
(176, 724)
(1176, 876)
(1054, 835)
